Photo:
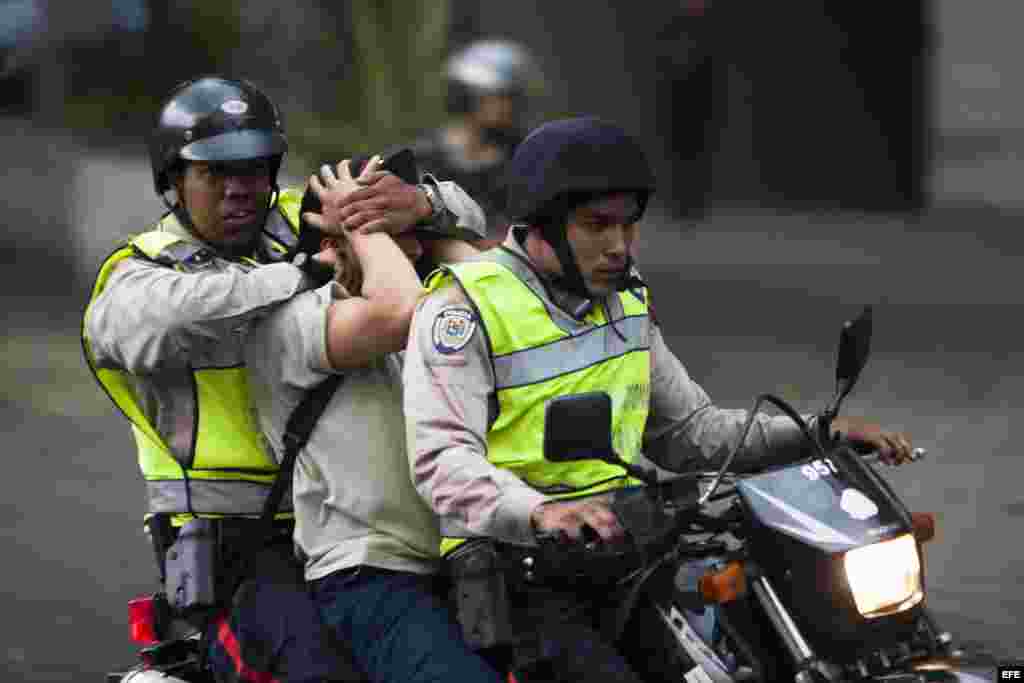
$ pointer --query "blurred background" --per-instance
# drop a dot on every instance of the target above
(811, 159)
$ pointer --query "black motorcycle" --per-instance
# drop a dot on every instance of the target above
(810, 572)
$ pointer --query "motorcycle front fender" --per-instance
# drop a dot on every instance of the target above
(955, 670)
(942, 670)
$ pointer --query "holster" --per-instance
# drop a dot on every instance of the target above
(191, 567)
(208, 558)
(480, 594)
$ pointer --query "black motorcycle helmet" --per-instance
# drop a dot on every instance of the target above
(565, 163)
(213, 118)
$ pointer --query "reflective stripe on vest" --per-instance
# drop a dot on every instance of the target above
(226, 469)
(210, 496)
(567, 355)
(539, 353)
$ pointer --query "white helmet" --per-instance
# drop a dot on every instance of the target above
(493, 66)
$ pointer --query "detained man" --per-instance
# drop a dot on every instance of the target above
(369, 542)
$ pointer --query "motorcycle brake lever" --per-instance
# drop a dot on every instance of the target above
(873, 458)
(589, 542)
(548, 538)
(589, 538)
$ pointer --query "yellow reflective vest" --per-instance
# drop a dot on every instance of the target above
(228, 470)
(538, 353)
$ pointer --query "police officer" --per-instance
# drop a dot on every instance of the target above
(164, 334)
(559, 309)
(488, 84)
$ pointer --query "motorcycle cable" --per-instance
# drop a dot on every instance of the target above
(787, 410)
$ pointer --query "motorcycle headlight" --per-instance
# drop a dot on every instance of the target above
(884, 577)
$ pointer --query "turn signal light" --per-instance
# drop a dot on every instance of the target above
(924, 526)
(725, 584)
(142, 621)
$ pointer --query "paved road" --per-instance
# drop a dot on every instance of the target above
(947, 326)
(750, 302)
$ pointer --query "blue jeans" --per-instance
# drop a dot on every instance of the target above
(273, 632)
(399, 627)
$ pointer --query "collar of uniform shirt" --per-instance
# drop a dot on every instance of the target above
(576, 306)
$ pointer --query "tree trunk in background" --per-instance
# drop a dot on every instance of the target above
(349, 77)
(399, 48)
(51, 87)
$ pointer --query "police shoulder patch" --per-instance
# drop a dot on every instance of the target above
(453, 328)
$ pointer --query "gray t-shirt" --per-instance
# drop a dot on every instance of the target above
(354, 499)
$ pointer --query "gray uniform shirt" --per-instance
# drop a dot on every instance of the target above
(352, 490)
(159, 323)
(447, 394)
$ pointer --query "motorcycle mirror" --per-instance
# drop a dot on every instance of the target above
(854, 347)
(579, 427)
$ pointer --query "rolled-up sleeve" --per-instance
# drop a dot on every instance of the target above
(686, 431)
(449, 384)
(465, 219)
(150, 318)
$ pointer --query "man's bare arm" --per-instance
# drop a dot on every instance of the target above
(376, 322)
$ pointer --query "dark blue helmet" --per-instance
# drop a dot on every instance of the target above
(579, 157)
(565, 163)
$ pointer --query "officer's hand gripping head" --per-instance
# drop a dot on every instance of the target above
(219, 143)
(584, 184)
(490, 82)
(313, 240)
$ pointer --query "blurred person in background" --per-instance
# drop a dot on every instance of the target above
(689, 108)
(370, 543)
(489, 86)
(164, 334)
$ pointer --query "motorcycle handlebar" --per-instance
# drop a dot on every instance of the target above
(591, 541)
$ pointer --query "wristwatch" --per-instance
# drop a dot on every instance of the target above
(442, 221)
(437, 206)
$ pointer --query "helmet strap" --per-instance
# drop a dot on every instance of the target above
(571, 279)
(181, 213)
(275, 194)
(629, 279)
(167, 202)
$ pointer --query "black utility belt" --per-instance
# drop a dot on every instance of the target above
(230, 530)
